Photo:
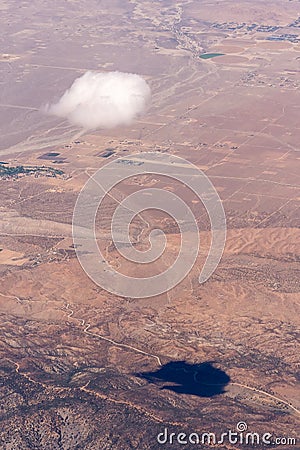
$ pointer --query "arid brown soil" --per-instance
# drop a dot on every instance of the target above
(82, 368)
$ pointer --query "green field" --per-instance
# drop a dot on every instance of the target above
(210, 55)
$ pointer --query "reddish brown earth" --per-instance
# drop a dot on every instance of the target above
(72, 355)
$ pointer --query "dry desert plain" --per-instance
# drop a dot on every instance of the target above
(85, 369)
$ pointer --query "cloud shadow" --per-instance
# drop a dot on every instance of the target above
(202, 380)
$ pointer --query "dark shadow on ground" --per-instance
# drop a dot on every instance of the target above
(203, 380)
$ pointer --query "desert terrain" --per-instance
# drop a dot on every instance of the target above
(82, 368)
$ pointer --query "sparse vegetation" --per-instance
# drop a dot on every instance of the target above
(15, 171)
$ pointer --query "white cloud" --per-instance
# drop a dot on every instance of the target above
(103, 100)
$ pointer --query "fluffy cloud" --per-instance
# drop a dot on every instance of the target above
(103, 100)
